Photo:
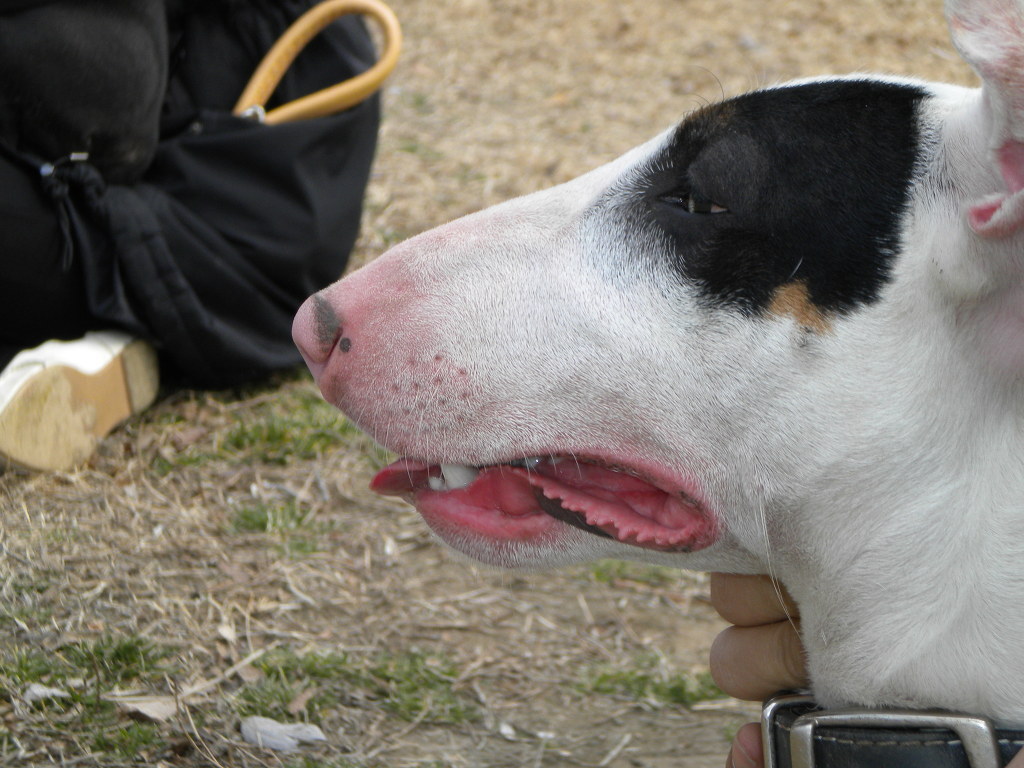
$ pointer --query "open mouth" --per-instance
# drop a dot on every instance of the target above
(525, 498)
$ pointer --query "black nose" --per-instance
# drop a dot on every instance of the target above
(316, 329)
(326, 324)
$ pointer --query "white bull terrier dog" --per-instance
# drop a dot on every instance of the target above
(784, 336)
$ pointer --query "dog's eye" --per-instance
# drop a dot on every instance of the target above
(693, 202)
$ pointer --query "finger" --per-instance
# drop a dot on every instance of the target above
(753, 663)
(1018, 761)
(746, 751)
(750, 600)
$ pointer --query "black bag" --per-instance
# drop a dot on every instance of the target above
(234, 223)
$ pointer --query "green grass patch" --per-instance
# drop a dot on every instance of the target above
(269, 518)
(298, 546)
(86, 671)
(270, 697)
(24, 585)
(296, 532)
(29, 604)
(116, 661)
(297, 425)
(163, 465)
(129, 742)
(417, 684)
(24, 666)
(283, 425)
(646, 682)
(612, 571)
(411, 685)
(105, 663)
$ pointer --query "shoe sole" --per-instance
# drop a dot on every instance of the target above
(56, 419)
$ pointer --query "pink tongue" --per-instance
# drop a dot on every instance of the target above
(625, 507)
(402, 477)
(498, 487)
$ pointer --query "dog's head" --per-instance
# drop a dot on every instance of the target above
(650, 351)
(787, 333)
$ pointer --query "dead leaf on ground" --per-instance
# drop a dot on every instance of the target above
(38, 692)
(156, 709)
(188, 436)
(299, 703)
(282, 737)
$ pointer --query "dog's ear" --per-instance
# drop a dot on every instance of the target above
(990, 36)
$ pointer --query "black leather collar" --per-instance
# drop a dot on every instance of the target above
(798, 733)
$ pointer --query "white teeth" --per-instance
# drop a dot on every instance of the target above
(455, 476)
(531, 462)
(452, 477)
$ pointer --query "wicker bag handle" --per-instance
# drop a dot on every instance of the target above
(335, 98)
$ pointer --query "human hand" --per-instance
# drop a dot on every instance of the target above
(761, 654)
(758, 656)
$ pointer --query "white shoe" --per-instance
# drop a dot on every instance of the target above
(59, 400)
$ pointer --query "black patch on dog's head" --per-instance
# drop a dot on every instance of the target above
(814, 180)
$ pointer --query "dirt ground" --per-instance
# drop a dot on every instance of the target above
(232, 534)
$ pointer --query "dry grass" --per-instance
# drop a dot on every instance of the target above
(263, 579)
(221, 555)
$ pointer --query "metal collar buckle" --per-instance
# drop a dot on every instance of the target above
(977, 734)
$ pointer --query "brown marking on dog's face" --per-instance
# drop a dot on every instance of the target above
(710, 119)
(792, 299)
